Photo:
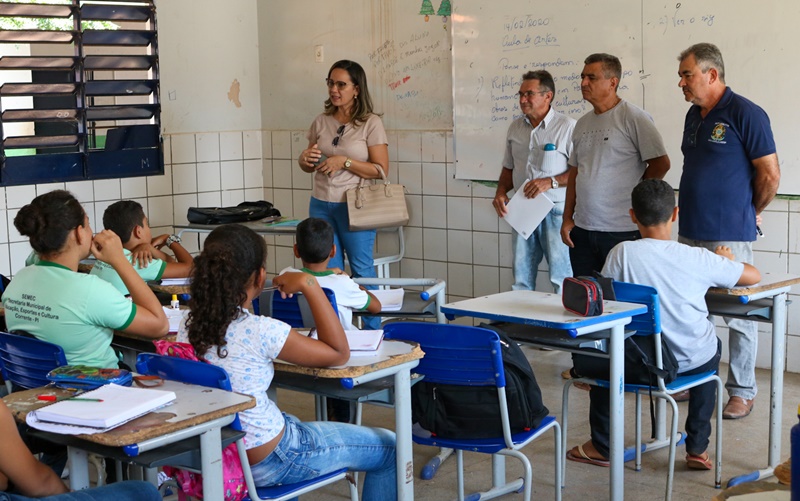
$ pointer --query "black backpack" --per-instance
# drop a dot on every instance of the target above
(450, 411)
(245, 211)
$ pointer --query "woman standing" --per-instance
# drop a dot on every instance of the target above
(346, 143)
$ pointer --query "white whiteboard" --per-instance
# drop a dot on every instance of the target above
(494, 43)
(407, 60)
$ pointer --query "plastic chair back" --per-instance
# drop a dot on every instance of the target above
(645, 324)
(25, 361)
(454, 354)
(292, 310)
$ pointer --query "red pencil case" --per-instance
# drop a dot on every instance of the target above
(582, 295)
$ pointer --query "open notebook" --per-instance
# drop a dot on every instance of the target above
(364, 342)
(391, 299)
(119, 405)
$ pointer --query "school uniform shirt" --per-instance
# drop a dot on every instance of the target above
(716, 188)
(153, 271)
(349, 295)
(354, 142)
(609, 151)
(682, 276)
(252, 343)
(76, 311)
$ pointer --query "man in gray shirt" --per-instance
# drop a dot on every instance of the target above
(537, 147)
(614, 147)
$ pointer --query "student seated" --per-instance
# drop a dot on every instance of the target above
(76, 311)
(315, 248)
(682, 276)
(126, 218)
(22, 477)
(228, 274)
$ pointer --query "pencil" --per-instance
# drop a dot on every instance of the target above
(53, 398)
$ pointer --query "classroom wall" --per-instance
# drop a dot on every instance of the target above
(453, 233)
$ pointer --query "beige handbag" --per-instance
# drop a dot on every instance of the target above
(376, 205)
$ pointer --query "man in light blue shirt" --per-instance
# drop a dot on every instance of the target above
(538, 144)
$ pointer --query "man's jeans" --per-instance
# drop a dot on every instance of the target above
(544, 242)
(742, 334)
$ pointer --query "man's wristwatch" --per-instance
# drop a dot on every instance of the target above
(172, 239)
(347, 164)
(553, 182)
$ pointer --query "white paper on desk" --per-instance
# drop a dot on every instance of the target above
(391, 299)
(525, 214)
(364, 342)
(174, 316)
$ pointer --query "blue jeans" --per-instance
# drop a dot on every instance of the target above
(308, 450)
(358, 245)
(592, 248)
(121, 491)
(742, 334)
(544, 242)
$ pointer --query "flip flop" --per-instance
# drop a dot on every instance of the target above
(698, 462)
(582, 457)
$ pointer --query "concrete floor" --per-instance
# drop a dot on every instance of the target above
(745, 445)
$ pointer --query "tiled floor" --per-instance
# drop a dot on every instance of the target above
(744, 447)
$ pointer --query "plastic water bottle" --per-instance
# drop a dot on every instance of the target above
(796, 458)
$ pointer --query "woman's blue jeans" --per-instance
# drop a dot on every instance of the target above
(308, 450)
(132, 490)
(357, 245)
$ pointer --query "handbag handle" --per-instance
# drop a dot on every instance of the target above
(387, 191)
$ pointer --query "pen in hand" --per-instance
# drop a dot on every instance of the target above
(760, 233)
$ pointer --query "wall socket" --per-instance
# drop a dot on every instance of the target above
(319, 54)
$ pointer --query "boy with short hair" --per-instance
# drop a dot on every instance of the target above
(126, 218)
(682, 275)
(315, 248)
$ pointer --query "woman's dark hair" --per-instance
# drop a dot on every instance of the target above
(48, 219)
(362, 108)
(231, 257)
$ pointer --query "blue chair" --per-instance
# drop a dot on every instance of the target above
(292, 310)
(25, 361)
(649, 324)
(471, 356)
(200, 373)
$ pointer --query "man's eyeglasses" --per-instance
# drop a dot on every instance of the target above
(529, 93)
(339, 85)
(339, 134)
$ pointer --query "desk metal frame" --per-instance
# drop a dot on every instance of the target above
(545, 310)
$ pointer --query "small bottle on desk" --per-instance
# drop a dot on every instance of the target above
(174, 302)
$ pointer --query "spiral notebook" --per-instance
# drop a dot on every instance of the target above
(119, 405)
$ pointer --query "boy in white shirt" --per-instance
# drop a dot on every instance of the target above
(682, 275)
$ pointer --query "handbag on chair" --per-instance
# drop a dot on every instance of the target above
(376, 205)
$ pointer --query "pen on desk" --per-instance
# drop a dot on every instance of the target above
(760, 233)
(53, 398)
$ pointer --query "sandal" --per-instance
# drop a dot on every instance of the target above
(579, 455)
(698, 461)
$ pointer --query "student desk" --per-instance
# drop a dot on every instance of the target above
(394, 358)
(198, 411)
(545, 310)
(275, 227)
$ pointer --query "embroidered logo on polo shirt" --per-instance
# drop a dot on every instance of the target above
(718, 133)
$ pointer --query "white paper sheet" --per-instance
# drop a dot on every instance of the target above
(525, 214)
(391, 299)
(174, 316)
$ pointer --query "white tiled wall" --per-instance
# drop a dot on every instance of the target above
(453, 233)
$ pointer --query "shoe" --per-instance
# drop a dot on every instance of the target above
(566, 374)
(699, 461)
(737, 408)
(578, 454)
(681, 396)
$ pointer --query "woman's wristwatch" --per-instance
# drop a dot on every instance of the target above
(348, 163)
(172, 239)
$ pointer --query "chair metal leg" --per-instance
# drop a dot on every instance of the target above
(564, 424)
(672, 445)
(460, 474)
(718, 459)
(638, 462)
(559, 477)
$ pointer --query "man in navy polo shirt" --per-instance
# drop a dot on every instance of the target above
(730, 174)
